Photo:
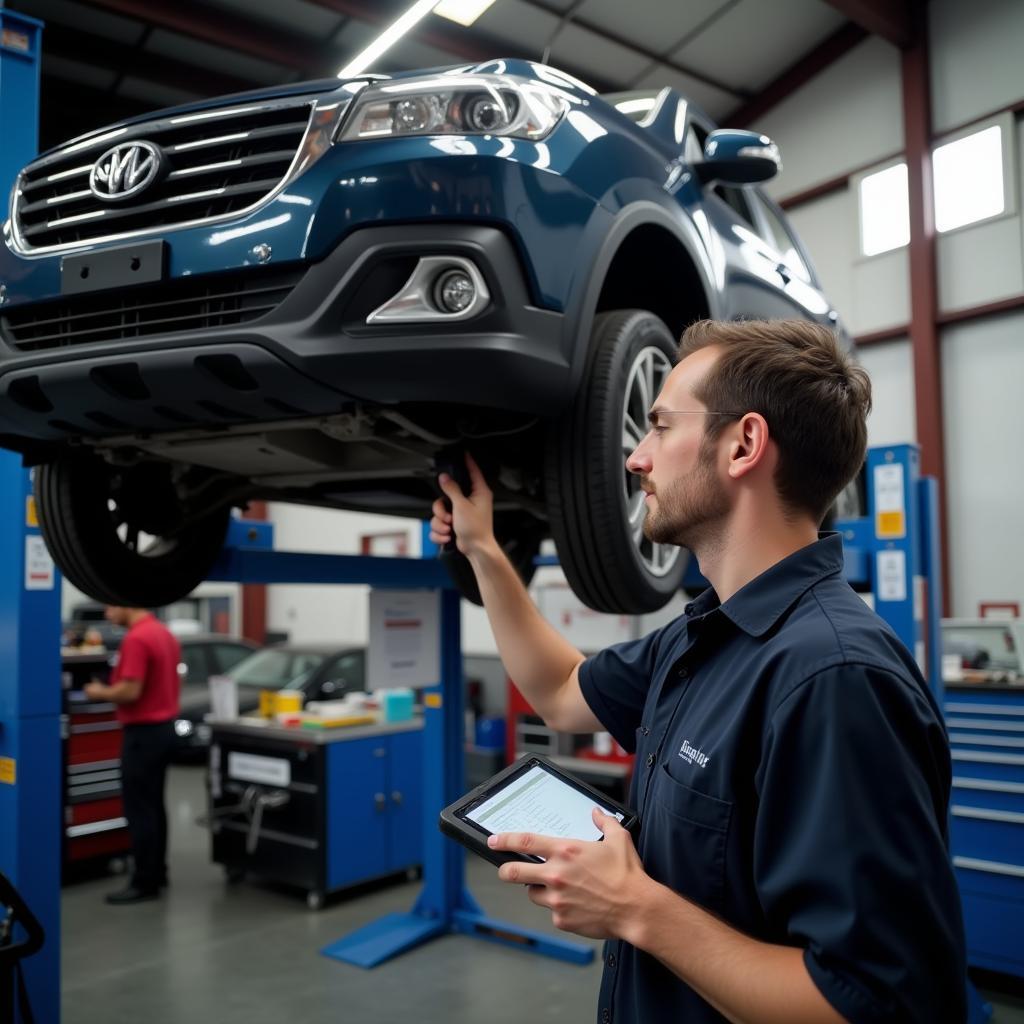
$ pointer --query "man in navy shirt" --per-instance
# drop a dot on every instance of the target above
(792, 770)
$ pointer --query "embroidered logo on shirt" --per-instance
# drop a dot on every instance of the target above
(692, 756)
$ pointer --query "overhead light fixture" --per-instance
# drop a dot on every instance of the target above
(465, 12)
(388, 38)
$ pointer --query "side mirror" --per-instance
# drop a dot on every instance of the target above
(738, 158)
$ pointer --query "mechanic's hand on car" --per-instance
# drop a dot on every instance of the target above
(591, 888)
(472, 516)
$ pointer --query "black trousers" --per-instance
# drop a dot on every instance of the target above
(145, 754)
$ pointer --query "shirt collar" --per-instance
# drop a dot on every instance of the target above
(759, 605)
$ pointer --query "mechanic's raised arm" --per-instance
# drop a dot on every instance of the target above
(542, 663)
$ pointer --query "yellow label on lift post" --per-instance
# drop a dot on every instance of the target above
(31, 516)
(8, 770)
(889, 525)
(432, 700)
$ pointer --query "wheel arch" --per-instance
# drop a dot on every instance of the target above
(620, 275)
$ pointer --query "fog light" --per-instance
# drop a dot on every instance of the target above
(183, 727)
(454, 291)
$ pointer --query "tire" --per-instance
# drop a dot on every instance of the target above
(609, 564)
(83, 503)
(520, 537)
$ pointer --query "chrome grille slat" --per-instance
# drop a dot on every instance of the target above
(167, 307)
(221, 149)
(112, 214)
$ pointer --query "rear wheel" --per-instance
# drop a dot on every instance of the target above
(595, 506)
(122, 535)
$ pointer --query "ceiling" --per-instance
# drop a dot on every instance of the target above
(108, 59)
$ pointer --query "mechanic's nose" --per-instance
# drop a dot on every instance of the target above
(639, 462)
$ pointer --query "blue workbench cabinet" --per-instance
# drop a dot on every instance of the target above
(986, 735)
(339, 806)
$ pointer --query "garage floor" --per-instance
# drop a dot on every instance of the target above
(248, 953)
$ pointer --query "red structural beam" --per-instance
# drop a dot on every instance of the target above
(924, 333)
(254, 595)
(797, 75)
(890, 19)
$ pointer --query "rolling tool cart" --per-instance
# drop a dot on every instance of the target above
(319, 809)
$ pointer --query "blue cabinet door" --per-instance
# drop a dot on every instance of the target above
(405, 799)
(358, 817)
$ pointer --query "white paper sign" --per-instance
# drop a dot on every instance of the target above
(39, 573)
(892, 575)
(270, 771)
(223, 698)
(405, 647)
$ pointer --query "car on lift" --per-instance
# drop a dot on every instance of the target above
(322, 292)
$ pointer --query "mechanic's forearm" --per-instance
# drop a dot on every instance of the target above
(747, 981)
(537, 658)
(119, 693)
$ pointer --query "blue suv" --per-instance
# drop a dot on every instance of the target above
(321, 292)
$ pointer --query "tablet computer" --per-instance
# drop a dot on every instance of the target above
(532, 795)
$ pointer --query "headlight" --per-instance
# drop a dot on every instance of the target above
(457, 105)
(183, 727)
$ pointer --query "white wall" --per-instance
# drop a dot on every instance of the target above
(890, 367)
(845, 117)
(975, 58)
(316, 613)
(982, 374)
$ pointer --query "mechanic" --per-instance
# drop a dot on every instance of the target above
(144, 685)
(792, 770)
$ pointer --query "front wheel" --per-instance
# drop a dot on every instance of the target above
(122, 535)
(596, 507)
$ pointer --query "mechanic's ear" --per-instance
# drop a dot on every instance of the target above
(749, 444)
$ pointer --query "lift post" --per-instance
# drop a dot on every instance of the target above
(30, 691)
(445, 904)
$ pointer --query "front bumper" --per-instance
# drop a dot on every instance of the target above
(312, 355)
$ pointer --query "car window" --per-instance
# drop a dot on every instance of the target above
(226, 656)
(780, 236)
(275, 668)
(347, 669)
(194, 658)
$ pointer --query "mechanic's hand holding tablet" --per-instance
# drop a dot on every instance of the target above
(534, 796)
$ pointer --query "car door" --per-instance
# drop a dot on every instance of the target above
(800, 286)
(344, 673)
(752, 283)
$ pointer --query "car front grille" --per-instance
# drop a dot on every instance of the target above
(184, 305)
(215, 163)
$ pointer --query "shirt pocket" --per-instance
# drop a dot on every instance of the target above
(684, 840)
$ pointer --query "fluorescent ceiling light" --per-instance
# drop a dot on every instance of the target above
(465, 12)
(388, 38)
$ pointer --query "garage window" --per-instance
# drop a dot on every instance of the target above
(884, 210)
(970, 184)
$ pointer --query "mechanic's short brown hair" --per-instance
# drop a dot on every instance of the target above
(812, 394)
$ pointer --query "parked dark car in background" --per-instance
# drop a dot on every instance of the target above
(319, 671)
(318, 293)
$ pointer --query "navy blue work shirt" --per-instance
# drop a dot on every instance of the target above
(792, 777)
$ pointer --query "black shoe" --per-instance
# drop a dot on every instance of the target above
(132, 894)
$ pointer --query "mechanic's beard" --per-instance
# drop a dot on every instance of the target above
(692, 510)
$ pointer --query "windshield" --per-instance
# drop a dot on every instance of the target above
(276, 669)
(635, 105)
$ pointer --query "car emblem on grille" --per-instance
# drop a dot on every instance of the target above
(125, 170)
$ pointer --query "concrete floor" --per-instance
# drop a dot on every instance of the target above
(249, 953)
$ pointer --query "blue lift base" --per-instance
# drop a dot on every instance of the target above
(393, 934)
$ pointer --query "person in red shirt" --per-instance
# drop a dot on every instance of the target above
(144, 685)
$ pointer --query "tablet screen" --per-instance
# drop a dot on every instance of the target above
(539, 802)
